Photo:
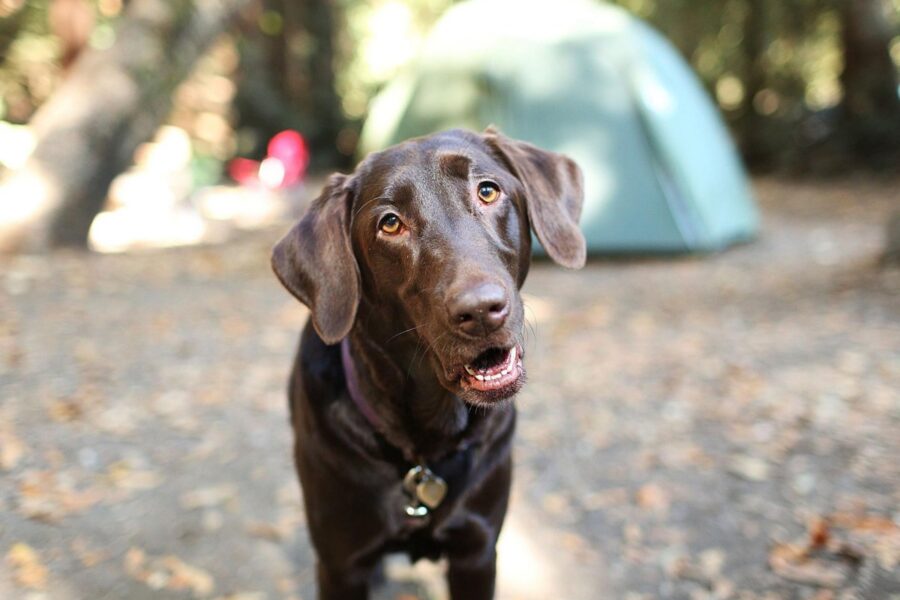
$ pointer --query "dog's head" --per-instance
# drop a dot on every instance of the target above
(432, 238)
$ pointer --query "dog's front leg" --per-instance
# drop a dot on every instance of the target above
(345, 583)
(471, 549)
(472, 581)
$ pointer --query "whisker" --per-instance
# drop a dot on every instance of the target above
(412, 362)
(401, 333)
(531, 323)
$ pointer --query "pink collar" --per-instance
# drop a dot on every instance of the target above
(352, 379)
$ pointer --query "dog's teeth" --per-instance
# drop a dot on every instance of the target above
(479, 377)
(469, 370)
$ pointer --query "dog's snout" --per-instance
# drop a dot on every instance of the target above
(480, 310)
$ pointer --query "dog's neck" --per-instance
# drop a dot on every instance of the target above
(412, 410)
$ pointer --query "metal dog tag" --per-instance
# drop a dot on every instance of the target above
(412, 479)
(431, 491)
(426, 488)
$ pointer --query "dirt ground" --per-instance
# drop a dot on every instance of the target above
(708, 427)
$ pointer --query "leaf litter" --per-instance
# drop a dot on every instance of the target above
(715, 427)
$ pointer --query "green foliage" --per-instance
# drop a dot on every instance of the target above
(769, 64)
(30, 52)
(28, 69)
(380, 38)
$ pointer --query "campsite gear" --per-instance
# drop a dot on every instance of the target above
(592, 82)
(287, 157)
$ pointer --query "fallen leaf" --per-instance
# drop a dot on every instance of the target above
(44, 496)
(169, 572)
(65, 411)
(29, 571)
(123, 476)
(750, 468)
(266, 531)
(88, 556)
(134, 563)
(556, 504)
(11, 450)
(184, 576)
(652, 497)
(711, 562)
(818, 532)
(208, 497)
(794, 564)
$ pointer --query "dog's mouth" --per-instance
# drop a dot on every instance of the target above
(494, 374)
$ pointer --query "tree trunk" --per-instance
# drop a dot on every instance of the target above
(72, 22)
(752, 126)
(112, 101)
(12, 13)
(321, 21)
(871, 108)
(288, 80)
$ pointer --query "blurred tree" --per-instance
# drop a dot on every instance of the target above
(755, 39)
(72, 22)
(808, 84)
(11, 15)
(871, 106)
(287, 77)
(113, 100)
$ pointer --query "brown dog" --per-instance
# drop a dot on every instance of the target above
(400, 391)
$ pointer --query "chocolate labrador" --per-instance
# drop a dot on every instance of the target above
(401, 390)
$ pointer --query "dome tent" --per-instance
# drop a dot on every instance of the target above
(593, 82)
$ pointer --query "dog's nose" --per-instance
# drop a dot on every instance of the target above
(480, 310)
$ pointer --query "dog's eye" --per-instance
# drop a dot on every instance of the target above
(488, 192)
(390, 224)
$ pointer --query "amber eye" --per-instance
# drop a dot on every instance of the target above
(488, 192)
(390, 224)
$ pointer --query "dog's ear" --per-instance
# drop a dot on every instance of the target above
(554, 194)
(315, 262)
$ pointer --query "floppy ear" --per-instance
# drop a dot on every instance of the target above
(315, 262)
(554, 194)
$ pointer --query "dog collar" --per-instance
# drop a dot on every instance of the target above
(425, 489)
(353, 387)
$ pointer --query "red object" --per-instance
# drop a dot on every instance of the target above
(284, 165)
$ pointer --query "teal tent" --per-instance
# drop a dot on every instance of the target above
(593, 82)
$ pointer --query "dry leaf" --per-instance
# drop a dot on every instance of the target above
(65, 411)
(184, 576)
(29, 571)
(88, 556)
(208, 497)
(134, 562)
(818, 532)
(124, 477)
(11, 450)
(169, 572)
(556, 504)
(266, 531)
(652, 497)
(795, 564)
(750, 468)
